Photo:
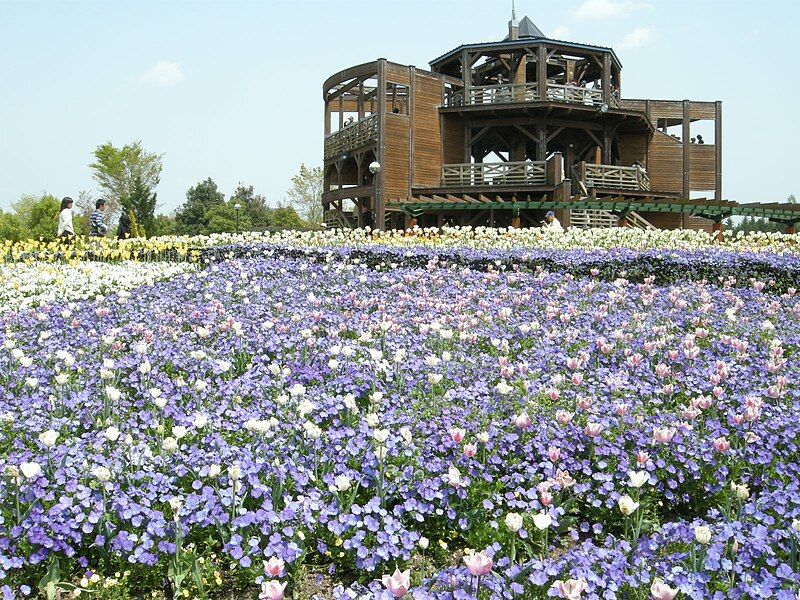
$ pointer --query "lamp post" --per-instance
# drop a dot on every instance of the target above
(237, 207)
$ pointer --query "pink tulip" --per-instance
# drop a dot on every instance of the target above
(457, 434)
(563, 417)
(642, 457)
(478, 564)
(663, 435)
(274, 566)
(584, 403)
(662, 370)
(721, 444)
(577, 378)
(272, 590)
(554, 394)
(545, 498)
(470, 450)
(522, 421)
(661, 591)
(553, 453)
(573, 364)
(621, 409)
(593, 429)
(738, 419)
(398, 583)
(571, 589)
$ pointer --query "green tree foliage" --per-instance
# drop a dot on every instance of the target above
(192, 218)
(163, 225)
(254, 206)
(286, 217)
(117, 169)
(38, 216)
(222, 219)
(305, 195)
(142, 204)
(10, 227)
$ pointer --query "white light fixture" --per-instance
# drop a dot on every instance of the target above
(375, 167)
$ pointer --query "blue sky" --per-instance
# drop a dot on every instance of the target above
(232, 90)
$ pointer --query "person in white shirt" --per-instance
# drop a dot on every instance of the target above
(550, 222)
(65, 229)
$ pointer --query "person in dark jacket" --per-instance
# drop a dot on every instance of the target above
(124, 227)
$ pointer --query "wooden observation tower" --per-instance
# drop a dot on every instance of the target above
(498, 133)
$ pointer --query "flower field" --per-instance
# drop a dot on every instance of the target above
(374, 417)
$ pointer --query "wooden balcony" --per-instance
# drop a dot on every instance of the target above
(361, 133)
(495, 174)
(520, 93)
(613, 177)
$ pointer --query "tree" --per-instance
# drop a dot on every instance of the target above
(116, 171)
(254, 206)
(10, 227)
(222, 219)
(142, 203)
(286, 217)
(38, 216)
(192, 216)
(163, 225)
(305, 194)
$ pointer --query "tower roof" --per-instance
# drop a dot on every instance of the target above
(527, 29)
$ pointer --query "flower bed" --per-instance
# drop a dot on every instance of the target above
(532, 434)
(29, 285)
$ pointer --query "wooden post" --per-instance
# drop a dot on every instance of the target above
(716, 228)
(411, 222)
(380, 208)
(541, 71)
(466, 74)
(606, 159)
(361, 112)
(790, 228)
(718, 150)
(516, 222)
(327, 118)
(541, 134)
(607, 78)
(687, 132)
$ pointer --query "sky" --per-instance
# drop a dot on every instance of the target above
(232, 90)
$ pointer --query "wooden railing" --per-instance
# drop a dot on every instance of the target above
(614, 177)
(506, 173)
(360, 133)
(494, 94)
(574, 94)
(508, 93)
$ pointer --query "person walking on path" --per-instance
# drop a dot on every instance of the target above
(97, 227)
(65, 228)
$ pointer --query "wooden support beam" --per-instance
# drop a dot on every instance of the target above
(541, 70)
(607, 78)
(686, 147)
(718, 150)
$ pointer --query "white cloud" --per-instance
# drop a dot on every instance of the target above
(163, 73)
(641, 36)
(597, 10)
(559, 33)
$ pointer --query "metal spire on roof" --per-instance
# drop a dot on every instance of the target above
(513, 11)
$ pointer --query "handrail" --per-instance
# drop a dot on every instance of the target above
(505, 173)
(504, 93)
(509, 93)
(574, 94)
(360, 133)
(616, 177)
